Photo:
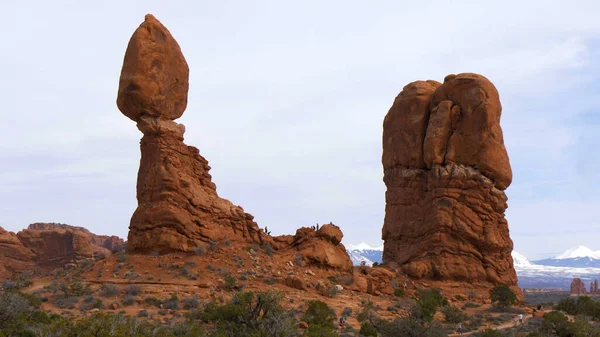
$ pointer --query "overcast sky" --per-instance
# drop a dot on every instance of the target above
(287, 100)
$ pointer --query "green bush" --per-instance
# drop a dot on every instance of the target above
(503, 296)
(230, 282)
(319, 331)
(153, 301)
(399, 292)
(367, 329)
(318, 313)
(454, 314)
(428, 303)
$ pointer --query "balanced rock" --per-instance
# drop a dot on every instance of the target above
(154, 77)
(178, 205)
(446, 169)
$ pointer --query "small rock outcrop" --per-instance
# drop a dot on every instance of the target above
(178, 205)
(446, 169)
(322, 247)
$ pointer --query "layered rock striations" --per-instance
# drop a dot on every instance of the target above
(446, 169)
(178, 205)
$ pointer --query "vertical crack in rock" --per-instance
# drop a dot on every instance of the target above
(446, 169)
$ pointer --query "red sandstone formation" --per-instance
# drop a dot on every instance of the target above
(446, 169)
(46, 246)
(55, 245)
(178, 205)
(577, 287)
(322, 247)
(15, 258)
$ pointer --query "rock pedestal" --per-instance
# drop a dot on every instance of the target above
(178, 206)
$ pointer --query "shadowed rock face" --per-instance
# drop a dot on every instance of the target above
(178, 205)
(445, 168)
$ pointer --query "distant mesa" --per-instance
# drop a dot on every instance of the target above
(446, 169)
(46, 246)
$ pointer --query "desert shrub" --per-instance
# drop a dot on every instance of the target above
(268, 249)
(91, 302)
(109, 290)
(250, 314)
(367, 329)
(17, 283)
(399, 292)
(172, 303)
(332, 291)
(142, 313)
(153, 301)
(270, 280)
(66, 302)
(191, 302)
(490, 333)
(230, 282)
(453, 314)
(501, 295)
(410, 327)
(200, 250)
(211, 267)
(133, 289)
(318, 313)
(122, 255)
(368, 312)
(347, 312)
(128, 300)
(12, 304)
(319, 331)
(333, 279)
(212, 245)
(299, 260)
(428, 303)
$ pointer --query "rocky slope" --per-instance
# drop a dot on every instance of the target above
(446, 169)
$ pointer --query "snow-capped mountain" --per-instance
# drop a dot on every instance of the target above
(578, 257)
(364, 253)
(520, 259)
(531, 274)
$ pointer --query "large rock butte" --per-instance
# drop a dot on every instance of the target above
(445, 168)
(178, 204)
